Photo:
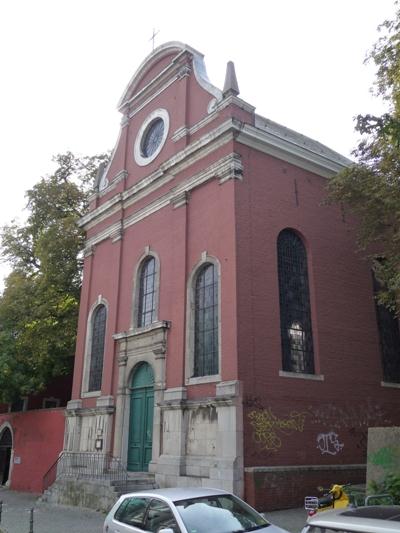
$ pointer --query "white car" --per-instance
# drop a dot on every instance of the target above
(369, 519)
(185, 510)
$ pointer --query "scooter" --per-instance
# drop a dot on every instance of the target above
(339, 496)
(333, 498)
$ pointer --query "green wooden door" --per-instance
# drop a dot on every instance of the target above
(141, 419)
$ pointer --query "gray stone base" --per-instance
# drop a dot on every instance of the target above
(90, 494)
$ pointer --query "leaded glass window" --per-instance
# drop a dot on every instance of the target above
(294, 299)
(97, 348)
(389, 336)
(147, 293)
(206, 322)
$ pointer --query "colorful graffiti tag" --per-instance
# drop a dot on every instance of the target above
(268, 426)
(387, 458)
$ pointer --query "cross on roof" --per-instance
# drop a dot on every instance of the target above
(152, 38)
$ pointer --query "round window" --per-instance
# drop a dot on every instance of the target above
(151, 137)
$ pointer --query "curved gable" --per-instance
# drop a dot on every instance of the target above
(164, 60)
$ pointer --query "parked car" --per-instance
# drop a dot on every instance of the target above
(185, 510)
(371, 519)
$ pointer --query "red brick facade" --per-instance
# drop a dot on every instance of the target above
(223, 186)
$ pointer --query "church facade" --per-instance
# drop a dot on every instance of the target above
(228, 332)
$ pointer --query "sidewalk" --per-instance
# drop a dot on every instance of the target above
(292, 520)
(46, 518)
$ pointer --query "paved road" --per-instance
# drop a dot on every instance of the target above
(62, 519)
(292, 520)
(46, 518)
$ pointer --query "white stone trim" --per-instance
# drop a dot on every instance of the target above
(190, 315)
(184, 159)
(136, 288)
(226, 168)
(390, 384)
(292, 150)
(120, 176)
(296, 468)
(162, 114)
(172, 69)
(85, 393)
(299, 375)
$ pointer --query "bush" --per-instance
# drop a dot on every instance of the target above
(390, 485)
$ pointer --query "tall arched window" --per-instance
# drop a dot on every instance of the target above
(97, 348)
(294, 299)
(206, 321)
(389, 336)
(147, 293)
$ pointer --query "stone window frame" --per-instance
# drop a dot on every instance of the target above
(190, 321)
(159, 113)
(136, 289)
(85, 393)
(50, 399)
(310, 333)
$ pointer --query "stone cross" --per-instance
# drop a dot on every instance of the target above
(152, 38)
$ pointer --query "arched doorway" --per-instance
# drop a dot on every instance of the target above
(5, 455)
(141, 419)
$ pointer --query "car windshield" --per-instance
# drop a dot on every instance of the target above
(219, 514)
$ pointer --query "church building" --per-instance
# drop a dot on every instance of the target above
(228, 332)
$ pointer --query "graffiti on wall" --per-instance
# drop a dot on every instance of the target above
(269, 428)
(329, 443)
(365, 414)
(387, 458)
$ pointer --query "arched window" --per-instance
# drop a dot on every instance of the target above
(294, 299)
(97, 348)
(147, 292)
(206, 321)
(389, 336)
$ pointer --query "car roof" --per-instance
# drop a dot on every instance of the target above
(374, 519)
(178, 493)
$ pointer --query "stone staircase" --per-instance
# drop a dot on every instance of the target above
(136, 481)
(99, 495)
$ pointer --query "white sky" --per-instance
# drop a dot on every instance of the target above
(65, 63)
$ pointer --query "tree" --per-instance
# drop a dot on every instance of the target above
(370, 188)
(39, 305)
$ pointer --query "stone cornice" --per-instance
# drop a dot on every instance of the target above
(196, 404)
(274, 141)
(185, 158)
(292, 150)
(90, 411)
(161, 324)
(229, 167)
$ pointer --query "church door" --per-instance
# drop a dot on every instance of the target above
(5, 455)
(141, 419)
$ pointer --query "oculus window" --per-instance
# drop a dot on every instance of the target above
(151, 137)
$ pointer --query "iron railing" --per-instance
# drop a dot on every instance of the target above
(86, 465)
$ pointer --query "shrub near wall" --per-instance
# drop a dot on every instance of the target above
(37, 441)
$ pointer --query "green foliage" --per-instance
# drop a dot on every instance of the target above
(390, 485)
(371, 187)
(39, 305)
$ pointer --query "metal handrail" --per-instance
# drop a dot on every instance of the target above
(86, 465)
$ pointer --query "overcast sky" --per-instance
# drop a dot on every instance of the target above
(65, 63)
